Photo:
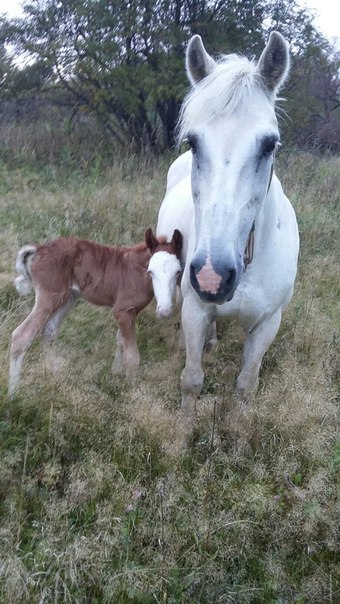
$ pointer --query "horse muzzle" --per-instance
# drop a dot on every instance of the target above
(214, 283)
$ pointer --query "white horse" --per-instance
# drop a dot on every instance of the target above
(240, 236)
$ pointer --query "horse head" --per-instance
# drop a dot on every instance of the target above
(229, 121)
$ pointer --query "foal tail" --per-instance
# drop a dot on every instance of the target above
(24, 283)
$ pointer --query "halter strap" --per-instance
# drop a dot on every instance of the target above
(249, 249)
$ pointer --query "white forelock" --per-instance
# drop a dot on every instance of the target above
(228, 87)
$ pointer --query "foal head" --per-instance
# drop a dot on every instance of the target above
(229, 122)
(164, 268)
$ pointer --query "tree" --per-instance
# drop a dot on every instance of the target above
(7, 68)
(312, 90)
(123, 60)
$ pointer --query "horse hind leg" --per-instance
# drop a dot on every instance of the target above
(256, 344)
(211, 337)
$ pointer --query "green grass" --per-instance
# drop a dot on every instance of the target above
(102, 499)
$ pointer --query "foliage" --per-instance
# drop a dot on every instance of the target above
(6, 68)
(123, 62)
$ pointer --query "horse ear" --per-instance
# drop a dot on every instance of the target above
(198, 62)
(273, 64)
(177, 240)
(150, 239)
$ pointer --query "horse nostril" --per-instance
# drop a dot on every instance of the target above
(230, 278)
(195, 266)
(193, 270)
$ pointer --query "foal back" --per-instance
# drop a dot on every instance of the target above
(98, 273)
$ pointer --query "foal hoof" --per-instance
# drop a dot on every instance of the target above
(117, 369)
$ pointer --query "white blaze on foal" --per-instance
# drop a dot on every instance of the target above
(165, 269)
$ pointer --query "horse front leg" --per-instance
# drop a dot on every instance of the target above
(195, 323)
(256, 344)
(211, 334)
(127, 354)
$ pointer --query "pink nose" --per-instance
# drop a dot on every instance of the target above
(207, 279)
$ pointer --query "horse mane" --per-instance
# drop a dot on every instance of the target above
(226, 88)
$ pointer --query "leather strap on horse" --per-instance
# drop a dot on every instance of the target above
(249, 249)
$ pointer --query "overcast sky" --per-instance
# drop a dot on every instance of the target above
(327, 11)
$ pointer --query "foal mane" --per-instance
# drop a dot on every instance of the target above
(227, 87)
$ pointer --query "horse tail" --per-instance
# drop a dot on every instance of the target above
(24, 283)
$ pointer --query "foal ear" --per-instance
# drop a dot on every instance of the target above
(150, 239)
(198, 62)
(177, 240)
(273, 64)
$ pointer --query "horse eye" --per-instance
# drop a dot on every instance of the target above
(268, 145)
(192, 142)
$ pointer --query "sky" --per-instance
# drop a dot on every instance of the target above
(327, 15)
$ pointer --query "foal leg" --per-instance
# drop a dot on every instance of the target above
(256, 344)
(52, 327)
(53, 324)
(22, 338)
(195, 323)
(117, 365)
(127, 342)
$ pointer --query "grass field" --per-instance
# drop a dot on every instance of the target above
(100, 499)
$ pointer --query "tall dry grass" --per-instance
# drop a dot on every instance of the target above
(101, 497)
